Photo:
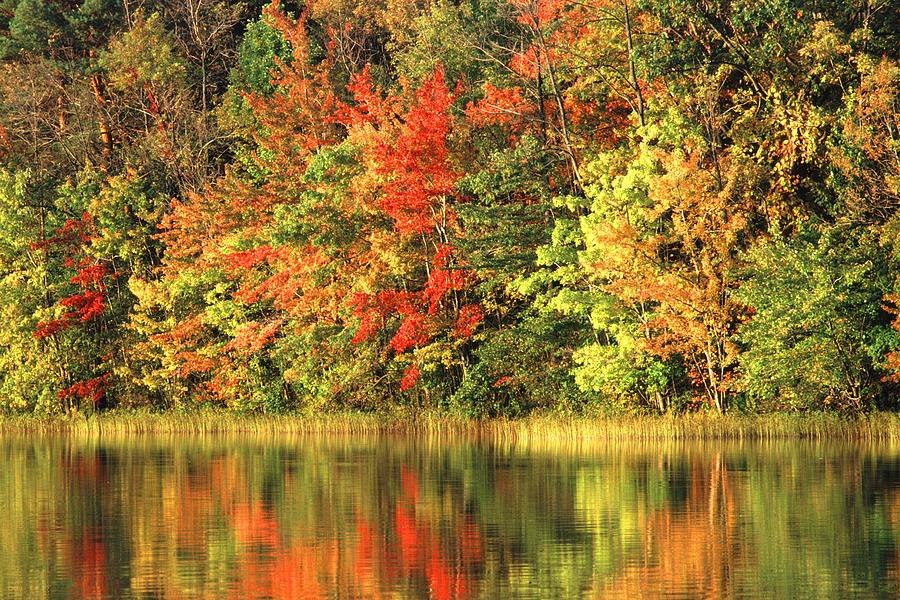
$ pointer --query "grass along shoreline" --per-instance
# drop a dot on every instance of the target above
(871, 426)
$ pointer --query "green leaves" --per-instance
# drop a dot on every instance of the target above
(817, 303)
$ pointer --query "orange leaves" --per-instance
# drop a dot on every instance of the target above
(528, 63)
(350, 195)
(253, 337)
(672, 262)
(538, 13)
(249, 258)
(299, 118)
(892, 359)
(237, 303)
(369, 106)
(499, 106)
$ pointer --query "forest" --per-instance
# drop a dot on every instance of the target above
(484, 207)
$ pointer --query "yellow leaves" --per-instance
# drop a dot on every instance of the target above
(825, 45)
(797, 128)
(671, 258)
(870, 153)
(144, 54)
(877, 105)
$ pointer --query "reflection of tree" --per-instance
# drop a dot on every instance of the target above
(87, 556)
(394, 518)
(690, 548)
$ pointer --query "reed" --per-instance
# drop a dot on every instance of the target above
(539, 427)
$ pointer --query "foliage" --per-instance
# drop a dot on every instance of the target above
(489, 207)
(819, 333)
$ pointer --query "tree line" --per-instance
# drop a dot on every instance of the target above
(483, 206)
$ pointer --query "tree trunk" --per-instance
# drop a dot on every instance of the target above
(632, 72)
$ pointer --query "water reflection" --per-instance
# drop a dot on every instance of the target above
(395, 517)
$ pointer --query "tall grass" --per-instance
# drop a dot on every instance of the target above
(544, 427)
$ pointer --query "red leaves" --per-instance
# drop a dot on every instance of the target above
(443, 279)
(499, 106)
(82, 307)
(418, 161)
(369, 107)
(410, 377)
(412, 332)
(85, 306)
(50, 328)
(94, 389)
(470, 317)
(5, 145)
(538, 13)
(414, 155)
(407, 179)
(373, 310)
(73, 233)
(420, 310)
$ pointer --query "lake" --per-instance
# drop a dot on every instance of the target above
(215, 517)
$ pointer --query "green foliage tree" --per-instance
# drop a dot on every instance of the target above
(819, 331)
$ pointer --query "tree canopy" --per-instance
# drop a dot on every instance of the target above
(485, 207)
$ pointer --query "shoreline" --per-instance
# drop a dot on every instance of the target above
(876, 426)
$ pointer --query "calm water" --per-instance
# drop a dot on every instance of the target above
(414, 518)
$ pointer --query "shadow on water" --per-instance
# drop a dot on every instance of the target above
(429, 517)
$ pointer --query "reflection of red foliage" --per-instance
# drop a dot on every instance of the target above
(471, 546)
(408, 537)
(365, 548)
(409, 484)
(88, 560)
(440, 580)
(255, 525)
(279, 557)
